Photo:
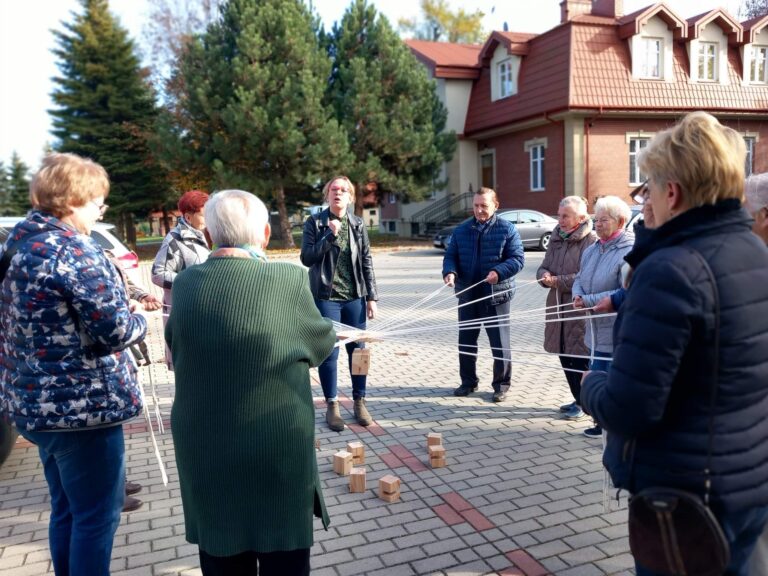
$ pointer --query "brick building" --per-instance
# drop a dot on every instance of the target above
(565, 112)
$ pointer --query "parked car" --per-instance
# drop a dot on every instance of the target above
(102, 233)
(534, 228)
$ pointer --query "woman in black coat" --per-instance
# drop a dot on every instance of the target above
(655, 399)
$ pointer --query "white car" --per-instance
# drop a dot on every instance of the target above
(101, 232)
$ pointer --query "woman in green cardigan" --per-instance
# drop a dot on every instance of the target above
(243, 333)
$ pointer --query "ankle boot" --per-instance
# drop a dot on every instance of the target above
(333, 417)
(361, 413)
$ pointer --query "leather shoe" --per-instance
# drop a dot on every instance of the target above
(464, 390)
(132, 488)
(131, 504)
(499, 396)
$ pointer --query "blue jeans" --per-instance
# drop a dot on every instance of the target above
(352, 313)
(598, 363)
(742, 530)
(85, 471)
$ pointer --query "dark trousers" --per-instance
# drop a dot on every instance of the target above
(498, 336)
(291, 563)
(574, 378)
(741, 530)
(352, 313)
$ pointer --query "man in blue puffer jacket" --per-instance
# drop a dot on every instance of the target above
(486, 250)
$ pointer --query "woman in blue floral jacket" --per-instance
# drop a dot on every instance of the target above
(65, 380)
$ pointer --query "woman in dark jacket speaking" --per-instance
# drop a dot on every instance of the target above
(336, 249)
(654, 401)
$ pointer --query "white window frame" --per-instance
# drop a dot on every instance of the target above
(652, 56)
(708, 53)
(536, 149)
(537, 158)
(759, 56)
(506, 82)
(749, 162)
(634, 147)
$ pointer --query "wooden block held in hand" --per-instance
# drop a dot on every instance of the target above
(361, 360)
(357, 449)
(434, 439)
(357, 480)
(389, 484)
(342, 463)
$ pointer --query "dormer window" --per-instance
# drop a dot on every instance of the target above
(504, 70)
(758, 72)
(651, 58)
(708, 61)
(505, 78)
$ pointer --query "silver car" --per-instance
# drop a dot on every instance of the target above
(534, 228)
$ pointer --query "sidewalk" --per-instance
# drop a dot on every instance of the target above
(521, 493)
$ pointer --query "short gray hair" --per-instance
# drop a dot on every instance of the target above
(578, 204)
(615, 207)
(756, 191)
(236, 218)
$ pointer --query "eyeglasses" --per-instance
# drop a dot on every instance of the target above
(604, 220)
(102, 207)
(641, 195)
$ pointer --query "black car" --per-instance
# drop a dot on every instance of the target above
(534, 228)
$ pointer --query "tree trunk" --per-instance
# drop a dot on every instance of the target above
(130, 230)
(361, 191)
(282, 213)
(166, 225)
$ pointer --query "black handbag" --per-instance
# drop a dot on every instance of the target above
(674, 532)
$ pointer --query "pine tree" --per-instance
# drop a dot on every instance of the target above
(18, 187)
(105, 107)
(253, 101)
(5, 209)
(389, 107)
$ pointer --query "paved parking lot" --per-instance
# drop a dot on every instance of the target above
(521, 494)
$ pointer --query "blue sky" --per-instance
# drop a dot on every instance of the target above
(27, 65)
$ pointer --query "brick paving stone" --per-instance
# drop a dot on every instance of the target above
(434, 563)
(523, 560)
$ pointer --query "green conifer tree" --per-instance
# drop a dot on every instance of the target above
(389, 107)
(4, 200)
(254, 89)
(18, 187)
(105, 108)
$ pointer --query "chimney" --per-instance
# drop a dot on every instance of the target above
(610, 8)
(571, 8)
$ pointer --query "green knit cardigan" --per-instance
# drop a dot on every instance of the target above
(243, 334)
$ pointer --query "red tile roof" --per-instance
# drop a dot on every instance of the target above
(586, 64)
(720, 17)
(602, 79)
(753, 26)
(631, 24)
(447, 59)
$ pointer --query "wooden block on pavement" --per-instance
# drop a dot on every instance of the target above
(389, 484)
(342, 463)
(357, 480)
(434, 439)
(357, 449)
